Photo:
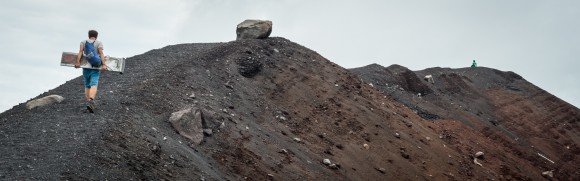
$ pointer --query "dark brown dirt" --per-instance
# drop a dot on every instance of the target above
(260, 96)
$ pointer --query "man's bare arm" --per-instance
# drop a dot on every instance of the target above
(103, 60)
(78, 62)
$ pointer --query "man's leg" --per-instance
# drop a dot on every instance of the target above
(92, 93)
(87, 91)
(91, 88)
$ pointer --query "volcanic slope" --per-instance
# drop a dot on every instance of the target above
(520, 122)
(275, 110)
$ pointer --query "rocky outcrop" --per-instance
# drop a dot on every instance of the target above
(493, 104)
(188, 123)
(254, 29)
(249, 67)
(51, 99)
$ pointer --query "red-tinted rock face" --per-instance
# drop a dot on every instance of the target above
(511, 117)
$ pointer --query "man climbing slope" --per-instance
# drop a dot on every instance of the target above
(92, 50)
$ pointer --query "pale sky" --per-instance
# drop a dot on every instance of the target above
(538, 39)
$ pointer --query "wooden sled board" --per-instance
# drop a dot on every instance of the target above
(113, 64)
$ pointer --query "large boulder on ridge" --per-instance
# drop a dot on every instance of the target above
(254, 29)
(51, 99)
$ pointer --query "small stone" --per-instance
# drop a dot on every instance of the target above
(223, 125)
(479, 155)
(476, 162)
(366, 146)
(298, 140)
(334, 166)
(192, 95)
(284, 151)
(227, 84)
(164, 138)
(270, 175)
(548, 173)
(428, 138)
(404, 154)
(382, 170)
(326, 161)
(207, 132)
(397, 135)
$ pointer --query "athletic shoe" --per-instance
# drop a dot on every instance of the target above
(91, 106)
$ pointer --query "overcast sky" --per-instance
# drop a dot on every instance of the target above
(538, 39)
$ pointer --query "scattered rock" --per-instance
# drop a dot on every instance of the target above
(429, 78)
(188, 123)
(397, 135)
(382, 170)
(334, 166)
(549, 173)
(51, 99)
(282, 118)
(404, 154)
(366, 146)
(479, 155)
(476, 162)
(328, 152)
(284, 151)
(192, 95)
(207, 132)
(298, 140)
(228, 85)
(254, 29)
(326, 162)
